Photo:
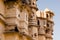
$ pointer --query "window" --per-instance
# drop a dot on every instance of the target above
(47, 15)
(47, 25)
(32, 35)
(18, 15)
(33, 3)
(38, 23)
(16, 29)
(20, 10)
(50, 16)
(29, 3)
(46, 31)
(35, 34)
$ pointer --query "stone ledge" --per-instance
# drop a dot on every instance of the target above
(19, 34)
(2, 18)
(48, 36)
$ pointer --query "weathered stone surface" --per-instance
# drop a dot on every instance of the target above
(21, 20)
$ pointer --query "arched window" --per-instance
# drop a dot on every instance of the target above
(47, 25)
(47, 30)
(16, 29)
(33, 3)
(35, 34)
(38, 23)
(18, 15)
(47, 15)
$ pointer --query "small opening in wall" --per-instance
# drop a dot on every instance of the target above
(16, 29)
(29, 3)
(47, 30)
(47, 25)
(50, 16)
(38, 22)
(47, 15)
(18, 15)
(33, 3)
(32, 35)
(35, 34)
(20, 10)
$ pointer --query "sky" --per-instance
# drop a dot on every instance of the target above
(54, 5)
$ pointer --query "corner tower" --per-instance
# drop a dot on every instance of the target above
(50, 23)
(33, 21)
(41, 22)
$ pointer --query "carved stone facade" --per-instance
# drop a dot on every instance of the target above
(21, 20)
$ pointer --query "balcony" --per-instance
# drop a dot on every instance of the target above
(34, 6)
(48, 35)
(32, 22)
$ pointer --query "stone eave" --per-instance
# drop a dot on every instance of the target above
(41, 18)
(50, 21)
(50, 12)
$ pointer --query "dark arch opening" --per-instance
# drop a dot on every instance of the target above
(47, 15)
(47, 25)
(16, 29)
(47, 30)
(38, 22)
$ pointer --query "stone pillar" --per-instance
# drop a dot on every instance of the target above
(50, 23)
(33, 25)
(33, 32)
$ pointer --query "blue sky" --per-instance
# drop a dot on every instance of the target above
(55, 6)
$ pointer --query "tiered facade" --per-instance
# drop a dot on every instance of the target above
(21, 20)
